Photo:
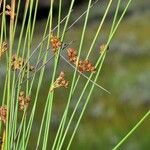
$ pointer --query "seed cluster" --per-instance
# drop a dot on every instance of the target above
(55, 43)
(72, 55)
(3, 48)
(17, 63)
(82, 65)
(60, 82)
(23, 100)
(85, 66)
(3, 114)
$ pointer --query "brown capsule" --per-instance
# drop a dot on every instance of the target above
(55, 43)
(60, 82)
(3, 48)
(3, 114)
(23, 100)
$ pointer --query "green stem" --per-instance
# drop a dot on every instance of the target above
(132, 130)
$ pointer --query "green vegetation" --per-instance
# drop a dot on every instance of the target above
(52, 117)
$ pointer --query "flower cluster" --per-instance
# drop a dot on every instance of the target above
(60, 82)
(55, 43)
(72, 55)
(82, 65)
(3, 114)
(85, 66)
(17, 63)
(23, 100)
(3, 48)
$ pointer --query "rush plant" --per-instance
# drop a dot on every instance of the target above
(26, 66)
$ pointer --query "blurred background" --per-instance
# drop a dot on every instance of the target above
(125, 73)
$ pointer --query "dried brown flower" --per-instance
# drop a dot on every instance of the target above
(72, 55)
(55, 43)
(23, 100)
(3, 114)
(17, 63)
(82, 65)
(85, 66)
(3, 48)
(60, 82)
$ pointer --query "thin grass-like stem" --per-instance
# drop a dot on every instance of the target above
(132, 130)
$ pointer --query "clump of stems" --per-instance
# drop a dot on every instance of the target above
(16, 132)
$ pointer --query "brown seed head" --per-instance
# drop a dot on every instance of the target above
(3, 114)
(23, 100)
(3, 48)
(85, 66)
(82, 65)
(17, 63)
(72, 55)
(55, 43)
(60, 82)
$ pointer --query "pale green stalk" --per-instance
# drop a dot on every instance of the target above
(27, 83)
(18, 50)
(46, 130)
(13, 119)
(16, 17)
(34, 19)
(42, 122)
(23, 53)
(11, 32)
(59, 18)
(36, 97)
(19, 88)
(99, 28)
(132, 130)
